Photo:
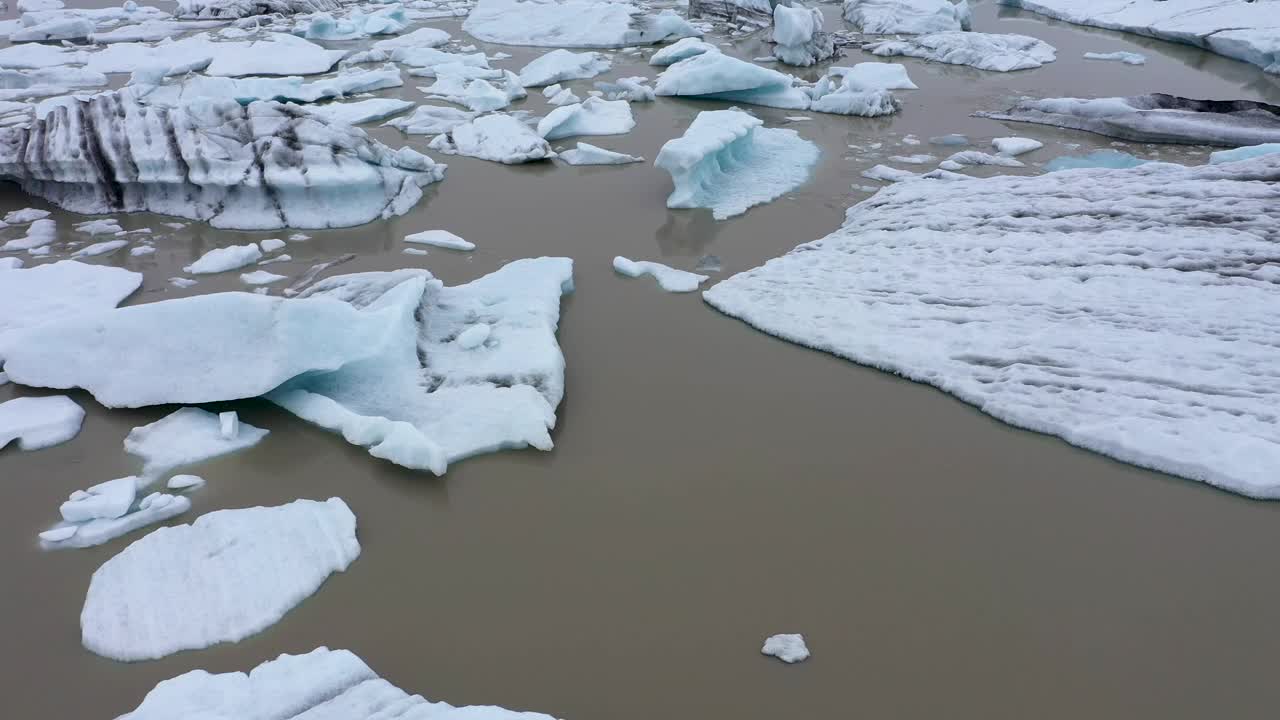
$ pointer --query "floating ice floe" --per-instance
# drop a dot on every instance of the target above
(151, 31)
(273, 54)
(631, 89)
(424, 401)
(260, 277)
(876, 75)
(388, 20)
(744, 14)
(271, 244)
(975, 157)
(477, 95)
(1121, 310)
(564, 97)
(99, 248)
(1128, 58)
(682, 50)
(431, 120)
(168, 591)
(845, 91)
(908, 17)
(498, 137)
(920, 159)
(39, 234)
(62, 27)
(362, 111)
(225, 259)
(1155, 118)
(105, 226)
(236, 9)
(440, 238)
(587, 154)
(888, 174)
(1012, 146)
(297, 687)
(788, 648)
(107, 500)
(572, 23)
(669, 278)
(24, 216)
(727, 162)
(46, 82)
(591, 117)
(260, 166)
(560, 65)
(29, 56)
(716, 76)
(1244, 153)
(284, 89)
(426, 37)
(1105, 158)
(59, 291)
(1241, 29)
(184, 482)
(155, 507)
(798, 36)
(186, 437)
(39, 422)
(985, 51)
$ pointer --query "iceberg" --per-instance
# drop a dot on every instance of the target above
(39, 422)
(798, 36)
(323, 684)
(682, 50)
(592, 117)
(744, 14)
(907, 17)
(716, 76)
(1155, 118)
(1244, 153)
(278, 54)
(59, 291)
(441, 239)
(789, 648)
(1123, 311)
(498, 137)
(1128, 58)
(985, 51)
(63, 27)
(669, 278)
(236, 9)
(727, 162)
(1105, 158)
(99, 248)
(587, 154)
(560, 65)
(431, 120)
(228, 575)
(186, 437)
(260, 166)
(572, 24)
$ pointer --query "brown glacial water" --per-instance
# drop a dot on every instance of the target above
(710, 485)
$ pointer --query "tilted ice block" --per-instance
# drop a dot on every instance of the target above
(587, 154)
(498, 137)
(681, 50)
(716, 76)
(908, 17)
(572, 23)
(985, 51)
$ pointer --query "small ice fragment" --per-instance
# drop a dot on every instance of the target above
(920, 159)
(283, 257)
(229, 424)
(787, 648)
(588, 154)
(99, 227)
(551, 91)
(184, 482)
(59, 533)
(299, 237)
(669, 278)
(952, 139)
(797, 118)
(414, 251)
(101, 248)
(181, 282)
(142, 250)
(271, 245)
(24, 216)
(440, 238)
(224, 259)
(260, 277)
(975, 157)
(1011, 146)
(474, 336)
(1105, 158)
(887, 174)
(1128, 58)
(1243, 153)
(910, 140)
(39, 234)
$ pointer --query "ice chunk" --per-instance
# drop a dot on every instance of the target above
(168, 591)
(39, 422)
(911, 17)
(40, 234)
(99, 227)
(888, 174)
(440, 238)
(110, 499)
(271, 244)
(840, 92)
(744, 15)
(920, 159)
(876, 75)
(324, 26)
(293, 89)
(426, 37)
(186, 437)
(1012, 146)
(572, 23)
(24, 216)
(797, 32)
(155, 508)
(787, 648)
(681, 50)
(592, 117)
(59, 291)
(949, 140)
(141, 250)
(224, 259)
(228, 425)
(474, 336)
(631, 89)
(260, 277)
(235, 9)
(25, 6)
(564, 97)
(985, 51)
(498, 137)
(29, 56)
(414, 251)
(184, 482)
(100, 248)
(10, 263)
(1244, 153)
(181, 282)
(716, 76)
(669, 278)
(354, 113)
(586, 154)
(560, 65)
(431, 120)
(1155, 118)
(476, 95)
(1105, 158)
(974, 157)
(1084, 284)
(1128, 58)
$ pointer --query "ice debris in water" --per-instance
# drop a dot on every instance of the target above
(99, 227)
(498, 137)
(59, 291)
(224, 259)
(985, 51)
(669, 278)
(324, 26)
(591, 117)
(322, 684)
(681, 50)
(1084, 285)
(975, 157)
(39, 234)
(418, 402)
(1155, 118)
(477, 95)
(1012, 146)
(560, 65)
(184, 482)
(727, 162)
(949, 140)
(440, 238)
(908, 17)
(431, 120)
(887, 174)
(631, 89)
(563, 97)
(100, 248)
(271, 244)
(716, 76)
(1243, 153)
(1104, 158)
(168, 591)
(572, 23)
(876, 75)
(39, 422)
(587, 154)
(363, 111)
(798, 35)
(229, 425)
(24, 216)
(846, 91)
(186, 437)
(96, 528)
(788, 648)
(1128, 58)
(110, 499)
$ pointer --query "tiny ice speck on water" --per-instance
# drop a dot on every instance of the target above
(788, 648)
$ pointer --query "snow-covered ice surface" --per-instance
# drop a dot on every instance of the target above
(223, 259)
(1012, 146)
(1155, 118)
(591, 117)
(228, 575)
(1128, 58)
(876, 75)
(150, 510)
(798, 36)
(846, 91)
(716, 76)
(669, 278)
(587, 154)
(440, 238)
(424, 402)
(39, 422)
(498, 137)
(431, 120)
(985, 51)
(48, 293)
(1104, 158)
(1123, 310)
(908, 17)
(185, 437)
(727, 162)
(1243, 153)
(560, 65)
(789, 648)
(573, 23)
(1241, 29)
(323, 684)
(260, 166)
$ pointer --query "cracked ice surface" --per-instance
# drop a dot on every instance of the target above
(1130, 312)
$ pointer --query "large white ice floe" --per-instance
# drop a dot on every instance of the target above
(560, 65)
(787, 647)
(669, 278)
(236, 9)
(716, 76)
(727, 162)
(260, 166)
(681, 50)
(224, 259)
(587, 154)
(284, 89)
(30, 297)
(798, 36)
(498, 137)
(572, 23)
(431, 120)
(592, 117)
(429, 398)
(39, 422)
(185, 437)
(272, 54)
(323, 684)
(985, 51)
(1155, 118)
(1246, 30)
(1126, 311)
(228, 575)
(909, 17)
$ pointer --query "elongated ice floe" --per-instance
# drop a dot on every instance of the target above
(560, 65)
(985, 51)
(1128, 58)
(587, 154)
(360, 111)
(431, 120)
(30, 297)
(908, 17)
(228, 575)
(185, 437)
(323, 684)
(592, 117)
(440, 238)
(149, 510)
(283, 89)
(669, 278)
(498, 137)
(787, 647)
(798, 35)
(572, 23)
(1125, 311)
(727, 162)
(1155, 118)
(39, 422)
(260, 166)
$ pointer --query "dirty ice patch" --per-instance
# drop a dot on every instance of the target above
(186, 437)
(36, 423)
(236, 9)
(669, 278)
(727, 162)
(985, 51)
(59, 291)
(907, 17)
(572, 24)
(228, 575)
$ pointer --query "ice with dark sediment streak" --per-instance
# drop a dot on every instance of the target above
(741, 13)
(573, 23)
(1130, 312)
(1155, 118)
(260, 166)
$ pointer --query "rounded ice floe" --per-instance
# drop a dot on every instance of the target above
(431, 120)
(228, 575)
(788, 648)
(39, 234)
(1128, 58)
(260, 277)
(876, 76)
(100, 248)
(271, 245)
(985, 51)
(39, 422)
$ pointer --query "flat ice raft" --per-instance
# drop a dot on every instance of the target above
(228, 575)
(261, 166)
(1131, 312)
(323, 684)
(572, 23)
